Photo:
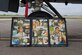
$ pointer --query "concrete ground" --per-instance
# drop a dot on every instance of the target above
(75, 48)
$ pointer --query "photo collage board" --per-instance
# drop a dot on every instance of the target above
(20, 32)
(38, 31)
(58, 32)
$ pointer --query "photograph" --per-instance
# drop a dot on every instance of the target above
(21, 32)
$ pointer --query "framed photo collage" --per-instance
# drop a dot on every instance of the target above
(38, 32)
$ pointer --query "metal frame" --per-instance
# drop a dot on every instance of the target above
(53, 9)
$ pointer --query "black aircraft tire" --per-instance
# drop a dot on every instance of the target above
(40, 14)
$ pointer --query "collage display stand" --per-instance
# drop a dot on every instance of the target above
(38, 32)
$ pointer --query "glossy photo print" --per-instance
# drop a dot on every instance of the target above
(20, 32)
(58, 32)
(39, 32)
